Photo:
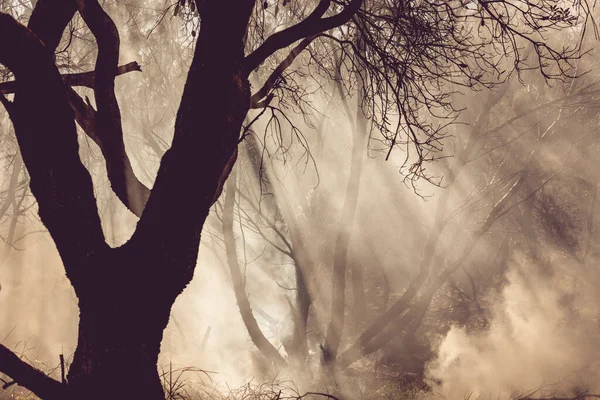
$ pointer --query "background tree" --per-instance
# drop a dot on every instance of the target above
(479, 178)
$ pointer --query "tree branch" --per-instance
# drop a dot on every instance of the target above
(79, 79)
(59, 181)
(49, 19)
(215, 101)
(255, 100)
(312, 25)
(29, 377)
(107, 125)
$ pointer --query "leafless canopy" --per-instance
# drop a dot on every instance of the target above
(407, 58)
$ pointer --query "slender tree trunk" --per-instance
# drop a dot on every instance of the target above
(358, 268)
(303, 303)
(527, 224)
(239, 287)
(298, 350)
(358, 289)
(385, 283)
(342, 245)
(14, 220)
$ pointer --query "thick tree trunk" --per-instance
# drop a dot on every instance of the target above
(124, 309)
(116, 358)
(125, 306)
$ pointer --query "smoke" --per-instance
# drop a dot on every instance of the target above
(542, 338)
(38, 308)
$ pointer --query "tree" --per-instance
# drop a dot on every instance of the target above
(407, 53)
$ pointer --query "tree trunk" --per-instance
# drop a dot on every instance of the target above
(258, 338)
(297, 347)
(116, 356)
(126, 294)
(335, 326)
(124, 309)
(358, 290)
(303, 302)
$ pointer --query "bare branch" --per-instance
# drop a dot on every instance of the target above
(27, 376)
(79, 79)
(325, 395)
(276, 74)
(312, 25)
(107, 125)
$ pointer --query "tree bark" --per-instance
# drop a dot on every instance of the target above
(123, 313)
